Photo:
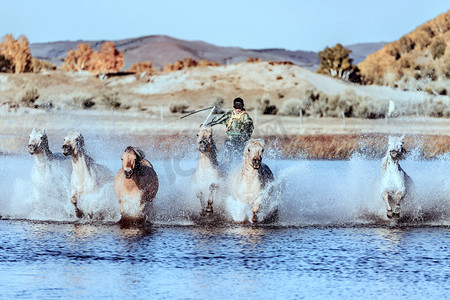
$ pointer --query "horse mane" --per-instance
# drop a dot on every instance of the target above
(44, 140)
(213, 152)
(44, 144)
(140, 155)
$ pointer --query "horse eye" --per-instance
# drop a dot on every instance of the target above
(248, 150)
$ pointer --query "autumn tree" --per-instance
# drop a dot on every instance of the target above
(70, 61)
(141, 67)
(109, 59)
(17, 52)
(80, 59)
(336, 62)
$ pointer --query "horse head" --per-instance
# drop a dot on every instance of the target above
(38, 141)
(395, 147)
(253, 153)
(73, 144)
(131, 159)
(205, 142)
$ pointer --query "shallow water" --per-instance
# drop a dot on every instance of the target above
(48, 260)
(332, 239)
(332, 193)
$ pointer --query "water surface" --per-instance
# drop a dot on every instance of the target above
(49, 260)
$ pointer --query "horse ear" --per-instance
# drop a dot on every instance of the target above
(262, 143)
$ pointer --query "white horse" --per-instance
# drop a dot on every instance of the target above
(252, 184)
(135, 184)
(395, 184)
(207, 175)
(87, 176)
(50, 174)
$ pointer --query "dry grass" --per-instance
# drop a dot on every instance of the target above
(315, 147)
(328, 147)
(339, 147)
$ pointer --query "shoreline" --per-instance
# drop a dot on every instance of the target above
(286, 136)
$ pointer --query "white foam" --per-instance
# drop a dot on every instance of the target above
(311, 193)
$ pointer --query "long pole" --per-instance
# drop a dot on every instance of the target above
(210, 113)
(194, 112)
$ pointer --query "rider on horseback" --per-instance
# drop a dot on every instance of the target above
(239, 128)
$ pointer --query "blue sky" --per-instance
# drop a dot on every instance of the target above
(294, 25)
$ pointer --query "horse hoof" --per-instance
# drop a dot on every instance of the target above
(254, 219)
(209, 211)
(79, 213)
(389, 214)
(396, 215)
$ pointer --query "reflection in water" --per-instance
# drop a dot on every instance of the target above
(391, 238)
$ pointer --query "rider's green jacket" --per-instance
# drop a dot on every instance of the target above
(238, 124)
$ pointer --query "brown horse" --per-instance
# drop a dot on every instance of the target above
(135, 184)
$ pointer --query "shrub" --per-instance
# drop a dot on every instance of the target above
(111, 100)
(27, 96)
(178, 107)
(265, 107)
(430, 107)
(437, 48)
(445, 67)
(79, 100)
(208, 63)
(218, 103)
(143, 67)
(348, 104)
(38, 65)
(5, 64)
(293, 107)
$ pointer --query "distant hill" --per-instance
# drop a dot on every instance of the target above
(361, 50)
(422, 53)
(162, 49)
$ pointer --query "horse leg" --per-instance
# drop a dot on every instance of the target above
(78, 212)
(255, 210)
(385, 196)
(397, 205)
(209, 209)
(202, 202)
(254, 218)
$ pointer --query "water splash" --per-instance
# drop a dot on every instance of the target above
(324, 193)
